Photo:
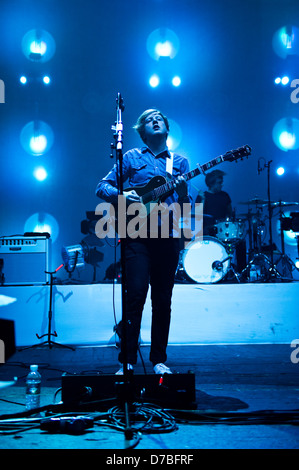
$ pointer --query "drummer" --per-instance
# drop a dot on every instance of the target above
(217, 203)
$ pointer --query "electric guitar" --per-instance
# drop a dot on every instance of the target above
(152, 195)
(158, 188)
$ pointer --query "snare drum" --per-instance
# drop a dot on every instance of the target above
(205, 261)
(229, 230)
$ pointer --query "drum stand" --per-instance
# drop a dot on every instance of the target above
(231, 269)
(287, 264)
(259, 259)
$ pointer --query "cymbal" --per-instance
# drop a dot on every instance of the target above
(256, 201)
(282, 203)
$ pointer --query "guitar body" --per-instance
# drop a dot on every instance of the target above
(154, 183)
(158, 188)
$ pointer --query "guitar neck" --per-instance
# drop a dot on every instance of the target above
(201, 169)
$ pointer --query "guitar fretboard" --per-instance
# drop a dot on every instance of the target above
(201, 169)
(232, 155)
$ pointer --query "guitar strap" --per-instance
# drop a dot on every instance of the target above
(169, 165)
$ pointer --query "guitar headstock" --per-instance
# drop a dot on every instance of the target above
(237, 154)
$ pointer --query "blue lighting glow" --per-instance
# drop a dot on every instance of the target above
(40, 174)
(46, 80)
(285, 41)
(36, 138)
(286, 134)
(176, 81)
(38, 45)
(162, 42)
(287, 140)
(38, 144)
(42, 222)
(285, 80)
(175, 135)
(154, 81)
(280, 171)
(23, 80)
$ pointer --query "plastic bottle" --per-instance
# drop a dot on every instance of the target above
(253, 273)
(33, 388)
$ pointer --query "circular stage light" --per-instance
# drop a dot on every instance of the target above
(37, 138)
(46, 80)
(38, 45)
(162, 42)
(40, 173)
(176, 81)
(285, 134)
(42, 222)
(280, 171)
(285, 41)
(154, 81)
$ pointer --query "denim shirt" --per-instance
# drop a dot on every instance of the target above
(139, 166)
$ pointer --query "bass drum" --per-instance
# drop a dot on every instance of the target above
(205, 261)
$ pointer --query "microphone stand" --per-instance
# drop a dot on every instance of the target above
(125, 389)
(272, 270)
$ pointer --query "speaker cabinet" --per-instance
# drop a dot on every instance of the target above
(24, 260)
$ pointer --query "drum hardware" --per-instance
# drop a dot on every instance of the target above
(286, 224)
(205, 261)
(230, 230)
(270, 273)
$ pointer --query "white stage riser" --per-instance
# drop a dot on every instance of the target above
(201, 314)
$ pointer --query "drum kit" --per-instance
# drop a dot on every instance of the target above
(213, 258)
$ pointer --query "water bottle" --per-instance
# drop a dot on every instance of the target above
(33, 388)
(253, 273)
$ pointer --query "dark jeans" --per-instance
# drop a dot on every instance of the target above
(149, 262)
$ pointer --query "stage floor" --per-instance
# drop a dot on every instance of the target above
(244, 380)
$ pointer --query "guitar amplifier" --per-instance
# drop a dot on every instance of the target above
(24, 259)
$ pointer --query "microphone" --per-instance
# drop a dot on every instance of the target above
(217, 265)
(258, 167)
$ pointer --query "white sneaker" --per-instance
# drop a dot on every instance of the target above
(121, 370)
(162, 369)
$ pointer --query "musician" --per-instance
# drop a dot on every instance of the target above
(217, 205)
(149, 261)
(216, 202)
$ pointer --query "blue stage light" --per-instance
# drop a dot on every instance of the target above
(285, 134)
(40, 173)
(37, 138)
(162, 42)
(42, 222)
(38, 45)
(285, 80)
(280, 171)
(154, 81)
(176, 81)
(23, 80)
(46, 80)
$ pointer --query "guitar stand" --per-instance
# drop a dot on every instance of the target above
(49, 342)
